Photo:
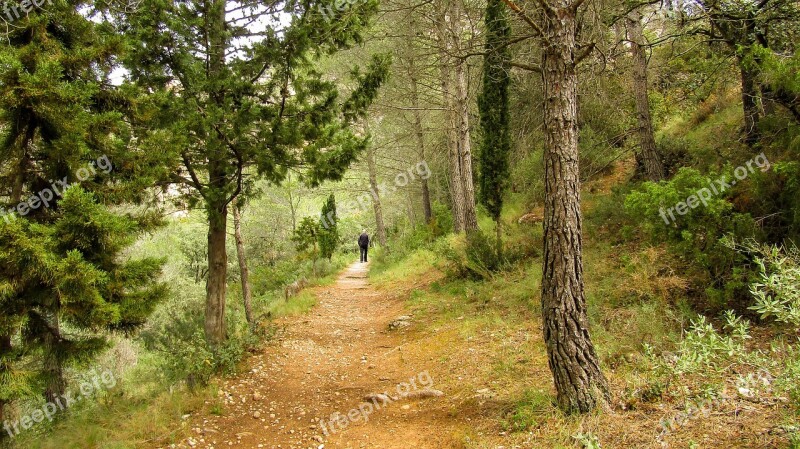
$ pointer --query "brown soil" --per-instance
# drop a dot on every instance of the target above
(327, 362)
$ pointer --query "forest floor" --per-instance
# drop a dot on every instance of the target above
(480, 345)
(326, 362)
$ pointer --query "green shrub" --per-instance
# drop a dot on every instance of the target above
(698, 237)
(774, 197)
(674, 153)
(482, 257)
(777, 291)
(472, 257)
(176, 337)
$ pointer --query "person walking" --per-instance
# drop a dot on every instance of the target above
(363, 243)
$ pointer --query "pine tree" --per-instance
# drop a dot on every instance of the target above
(62, 284)
(493, 105)
(328, 233)
(233, 100)
(306, 240)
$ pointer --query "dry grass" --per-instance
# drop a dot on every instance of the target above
(484, 345)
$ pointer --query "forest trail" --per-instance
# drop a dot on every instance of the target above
(324, 362)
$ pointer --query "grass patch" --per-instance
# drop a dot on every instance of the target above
(118, 420)
(296, 305)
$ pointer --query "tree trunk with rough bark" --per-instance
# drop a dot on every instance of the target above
(419, 133)
(580, 384)
(376, 199)
(56, 384)
(244, 270)
(462, 111)
(216, 204)
(750, 108)
(647, 157)
(216, 284)
(451, 121)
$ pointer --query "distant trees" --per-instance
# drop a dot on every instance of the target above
(306, 239)
(743, 27)
(648, 159)
(493, 104)
(328, 230)
(377, 206)
(229, 100)
(455, 97)
(244, 269)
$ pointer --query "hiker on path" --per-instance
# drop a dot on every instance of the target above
(363, 243)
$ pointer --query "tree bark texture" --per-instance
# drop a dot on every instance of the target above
(573, 361)
(56, 384)
(648, 155)
(462, 111)
(244, 270)
(216, 202)
(419, 133)
(750, 103)
(376, 199)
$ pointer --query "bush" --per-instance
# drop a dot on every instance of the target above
(674, 154)
(474, 257)
(698, 237)
(777, 291)
(176, 336)
(775, 199)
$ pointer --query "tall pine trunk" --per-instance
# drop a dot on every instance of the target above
(419, 133)
(580, 384)
(56, 384)
(462, 111)
(451, 120)
(247, 293)
(216, 203)
(376, 199)
(216, 286)
(750, 107)
(647, 157)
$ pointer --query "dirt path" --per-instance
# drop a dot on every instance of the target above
(327, 362)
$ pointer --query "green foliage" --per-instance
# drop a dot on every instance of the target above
(472, 258)
(780, 72)
(69, 279)
(307, 237)
(587, 440)
(703, 348)
(775, 196)
(481, 258)
(328, 231)
(65, 280)
(777, 291)
(248, 102)
(493, 103)
(527, 177)
(697, 237)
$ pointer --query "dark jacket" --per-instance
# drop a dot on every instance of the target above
(363, 240)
